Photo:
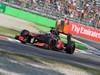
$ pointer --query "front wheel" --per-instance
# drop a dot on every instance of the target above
(70, 47)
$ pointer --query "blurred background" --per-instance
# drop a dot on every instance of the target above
(85, 12)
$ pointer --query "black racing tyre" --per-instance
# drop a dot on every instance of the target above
(24, 33)
(70, 47)
(23, 42)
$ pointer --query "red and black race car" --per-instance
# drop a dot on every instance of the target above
(47, 40)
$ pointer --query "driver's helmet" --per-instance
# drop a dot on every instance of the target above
(54, 31)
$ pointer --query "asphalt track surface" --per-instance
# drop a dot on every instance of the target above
(81, 60)
(11, 66)
(95, 45)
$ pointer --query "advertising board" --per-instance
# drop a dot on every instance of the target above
(84, 31)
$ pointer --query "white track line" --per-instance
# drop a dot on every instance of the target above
(13, 40)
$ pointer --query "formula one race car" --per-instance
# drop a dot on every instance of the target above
(47, 40)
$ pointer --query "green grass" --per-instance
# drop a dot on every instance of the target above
(78, 45)
(8, 30)
(88, 39)
(42, 28)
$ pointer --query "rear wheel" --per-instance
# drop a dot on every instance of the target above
(70, 47)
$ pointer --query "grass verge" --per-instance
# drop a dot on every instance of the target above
(88, 39)
(8, 30)
(78, 45)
